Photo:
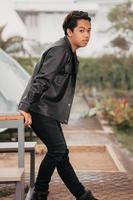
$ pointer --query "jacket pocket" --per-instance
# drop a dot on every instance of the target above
(60, 78)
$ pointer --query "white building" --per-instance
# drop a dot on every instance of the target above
(11, 20)
(43, 19)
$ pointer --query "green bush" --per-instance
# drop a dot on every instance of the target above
(118, 112)
(27, 63)
(107, 71)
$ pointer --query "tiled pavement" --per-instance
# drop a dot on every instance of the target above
(105, 186)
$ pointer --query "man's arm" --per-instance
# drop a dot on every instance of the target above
(53, 61)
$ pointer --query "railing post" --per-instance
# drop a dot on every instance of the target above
(20, 143)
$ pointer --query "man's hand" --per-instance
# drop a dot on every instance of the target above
(27, 118)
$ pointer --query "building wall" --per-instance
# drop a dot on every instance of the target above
(44, 23)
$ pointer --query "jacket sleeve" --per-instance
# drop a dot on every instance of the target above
(53, 61)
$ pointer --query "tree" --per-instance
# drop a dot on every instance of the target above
(12, 44)
(121, 17)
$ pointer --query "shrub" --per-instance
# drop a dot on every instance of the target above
(107, 71)
(117, 112)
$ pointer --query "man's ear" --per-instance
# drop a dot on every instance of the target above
(69, 32)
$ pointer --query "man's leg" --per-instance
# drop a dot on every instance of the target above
(48, 131)
(70, 179)
(68, 174)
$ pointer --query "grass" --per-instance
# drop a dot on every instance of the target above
(125, 137)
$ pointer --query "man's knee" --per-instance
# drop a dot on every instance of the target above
(59, 154)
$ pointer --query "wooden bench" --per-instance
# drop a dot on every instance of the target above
(16, 176)
(8, 147)
(15, 120)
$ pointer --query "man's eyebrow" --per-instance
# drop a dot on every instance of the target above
(84, 27)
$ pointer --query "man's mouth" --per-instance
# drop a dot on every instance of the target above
(86, 41)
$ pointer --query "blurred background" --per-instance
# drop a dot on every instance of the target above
(102, 112)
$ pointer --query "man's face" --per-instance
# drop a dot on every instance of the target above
(81, 34)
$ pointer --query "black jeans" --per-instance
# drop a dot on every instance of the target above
(50, 132)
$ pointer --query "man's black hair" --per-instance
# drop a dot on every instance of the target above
(71, 19)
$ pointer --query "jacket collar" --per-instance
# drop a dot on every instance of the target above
(74, 55)
(68, 44)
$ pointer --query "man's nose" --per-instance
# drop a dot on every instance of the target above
(86, 35)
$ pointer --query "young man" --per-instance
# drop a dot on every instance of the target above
(47, 100)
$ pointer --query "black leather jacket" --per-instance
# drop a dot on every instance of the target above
(50, 90)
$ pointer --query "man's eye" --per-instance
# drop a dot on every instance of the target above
(81, 31)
